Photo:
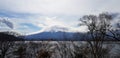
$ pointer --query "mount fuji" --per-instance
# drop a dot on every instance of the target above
(54, 33)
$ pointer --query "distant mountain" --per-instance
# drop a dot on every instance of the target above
(62, 33)
(53, 33)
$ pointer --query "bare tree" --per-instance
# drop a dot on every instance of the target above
(20, 52)
(82, 51)
(4, 47)
(44, 54)
(46, 49)
(98, 27)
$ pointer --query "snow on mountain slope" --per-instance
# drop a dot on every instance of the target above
(56, 29)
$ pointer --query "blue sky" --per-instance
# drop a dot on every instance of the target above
(34, 15)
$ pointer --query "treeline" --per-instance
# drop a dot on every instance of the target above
(10, 36)
(55, 49)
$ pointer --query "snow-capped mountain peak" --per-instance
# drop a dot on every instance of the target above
(55, 29)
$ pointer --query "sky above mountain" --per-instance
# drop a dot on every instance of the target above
(34, 15)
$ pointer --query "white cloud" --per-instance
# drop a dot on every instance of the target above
(44, 22)
(49, 22)
(7, 22)
(79, 29)
(53, 21)
(53, 7)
